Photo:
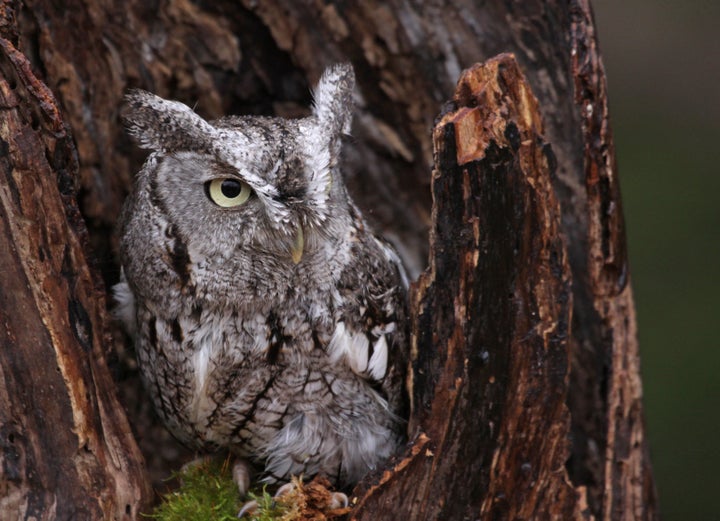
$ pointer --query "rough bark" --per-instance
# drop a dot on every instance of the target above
(548, 232)
(491, 321)
(67, 450)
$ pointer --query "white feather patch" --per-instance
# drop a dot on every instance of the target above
(353, 349)
(357, 352)
(336, 346)
(208, 339)
(125, 308)
(349, 346)
(200, 364)
(201, 404)
(378, 362)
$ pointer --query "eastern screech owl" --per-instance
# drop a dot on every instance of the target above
(268, 319)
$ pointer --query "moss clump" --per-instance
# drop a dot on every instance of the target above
(208, 493)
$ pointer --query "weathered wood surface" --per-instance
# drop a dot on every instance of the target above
(610, 452)
(66, 449)
(261, 57)
(491, 321)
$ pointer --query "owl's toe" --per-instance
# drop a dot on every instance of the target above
(251, 507)
(287, 488)
(241, 476)
(248, 509)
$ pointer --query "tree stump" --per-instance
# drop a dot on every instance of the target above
(491, 321)
(525, 383)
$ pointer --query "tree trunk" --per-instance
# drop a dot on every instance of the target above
(67, 449)
(526, 389)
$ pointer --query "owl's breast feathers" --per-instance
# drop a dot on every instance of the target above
(325, 365)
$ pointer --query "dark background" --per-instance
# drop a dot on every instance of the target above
(663, 65)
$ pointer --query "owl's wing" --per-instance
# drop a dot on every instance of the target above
(371, 334)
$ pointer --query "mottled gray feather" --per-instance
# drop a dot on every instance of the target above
(275, 329)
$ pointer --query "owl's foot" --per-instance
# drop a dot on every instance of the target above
(337, 499)
(250, 507)
(313, 499)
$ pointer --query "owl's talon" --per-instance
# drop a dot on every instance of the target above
(338, 500)
(287, 488)
(248, 508)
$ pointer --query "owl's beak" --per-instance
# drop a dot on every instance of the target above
(298, 245)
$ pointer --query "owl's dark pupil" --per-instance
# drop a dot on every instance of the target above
(231, 188)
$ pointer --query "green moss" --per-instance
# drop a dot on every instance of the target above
(208, 493)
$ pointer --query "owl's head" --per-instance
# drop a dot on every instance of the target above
(267, 184)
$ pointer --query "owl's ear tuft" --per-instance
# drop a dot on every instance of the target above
(334, 98)
(162, 125)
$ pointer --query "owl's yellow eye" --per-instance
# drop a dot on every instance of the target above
(227, 192)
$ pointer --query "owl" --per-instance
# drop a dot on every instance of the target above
(268, 319)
